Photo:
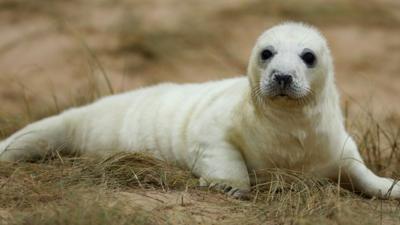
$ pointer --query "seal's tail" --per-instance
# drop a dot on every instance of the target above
(37, 140)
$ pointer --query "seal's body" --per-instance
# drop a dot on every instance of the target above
(286, 115)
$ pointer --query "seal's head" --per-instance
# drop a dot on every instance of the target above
(290, 63)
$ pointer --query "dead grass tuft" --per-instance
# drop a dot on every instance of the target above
(84, 190)
(379, 143)
(27, 184)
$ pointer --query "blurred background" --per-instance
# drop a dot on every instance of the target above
(57, 53)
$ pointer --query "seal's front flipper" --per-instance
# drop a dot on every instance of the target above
(222, 167)
(234, 192)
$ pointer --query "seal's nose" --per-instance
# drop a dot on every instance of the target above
(283, 80)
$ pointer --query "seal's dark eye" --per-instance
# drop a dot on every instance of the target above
(266, 54)
(309, 58)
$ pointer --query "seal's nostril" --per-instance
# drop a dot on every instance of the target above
(283, 79)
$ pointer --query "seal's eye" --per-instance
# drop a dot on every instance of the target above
(266, 54)
(309, 58)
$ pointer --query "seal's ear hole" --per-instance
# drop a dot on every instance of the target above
(308, 58)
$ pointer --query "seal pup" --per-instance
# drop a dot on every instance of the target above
(286, 114)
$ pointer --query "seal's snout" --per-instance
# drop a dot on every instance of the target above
(283, 83)
(283, 80)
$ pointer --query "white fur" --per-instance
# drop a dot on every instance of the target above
(221, 130)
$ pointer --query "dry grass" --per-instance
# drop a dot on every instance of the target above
(25, 185)
(86, 190)
(379, 143)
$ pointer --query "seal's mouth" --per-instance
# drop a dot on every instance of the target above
(288, 93)
(279, 92)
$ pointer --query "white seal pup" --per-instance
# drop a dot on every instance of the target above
(286, 114)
